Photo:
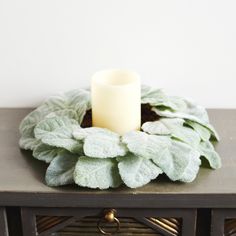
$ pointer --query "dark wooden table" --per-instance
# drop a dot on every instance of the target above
(212, 195)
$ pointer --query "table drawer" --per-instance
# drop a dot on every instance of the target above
(94, 222)
(3, 222)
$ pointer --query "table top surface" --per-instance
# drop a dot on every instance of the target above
(22, 177)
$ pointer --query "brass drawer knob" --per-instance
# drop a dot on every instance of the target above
(109, 216)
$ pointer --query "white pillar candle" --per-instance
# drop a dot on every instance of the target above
(116, 100)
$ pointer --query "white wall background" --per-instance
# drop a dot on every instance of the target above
(187, 47)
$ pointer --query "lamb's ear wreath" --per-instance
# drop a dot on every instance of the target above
(175, 134)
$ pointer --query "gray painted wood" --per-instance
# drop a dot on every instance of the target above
(219, 226)
(187, 216)
(22, 177)
(14, 221)
(217, 223)
(3, 222)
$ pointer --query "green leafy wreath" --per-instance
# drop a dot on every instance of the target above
(175, 134)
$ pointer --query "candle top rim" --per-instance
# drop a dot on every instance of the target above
(116, 77)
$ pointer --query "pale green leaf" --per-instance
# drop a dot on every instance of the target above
(181, 132)
(104, 144)
(63, 113)
(202, 120)
(97, 173)
(57, 102)
(45, 152)
(28, 143)
(77, 100)
(28, 124)
(177, 103)
(154, 97)
(155, 127)
(192, 111)
(204, 133)
(61, 169)
(176, 107)
(207, 150)
(179, 162)
(81, 110)
(79, 96)
(176, 114)
(151, 95)
(157, 98)
(49, 125)
(195, 110)
(82, 133)
(63, 138)
(57, 131)
(145, 145)
(137, 171)
(213, 131)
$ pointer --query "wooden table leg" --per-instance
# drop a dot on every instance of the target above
(3, 222)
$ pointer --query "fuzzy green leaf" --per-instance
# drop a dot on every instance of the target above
(191, 111)
(45, 152)
(28, 124)
(61, 169)
(155, 127)
(137, 171)
(176, 128)
(77, 100)
(57, 132)
(154, 97)
(145, 145)
(63, 113)
(79, 96)
(28, 143)
(179, 162)
(50, 125)
(207, 150)
(105, 144)
(62, 138)
(97, 173)
(82, 133)
(198, 116)
(157, 98)
(204, 133)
